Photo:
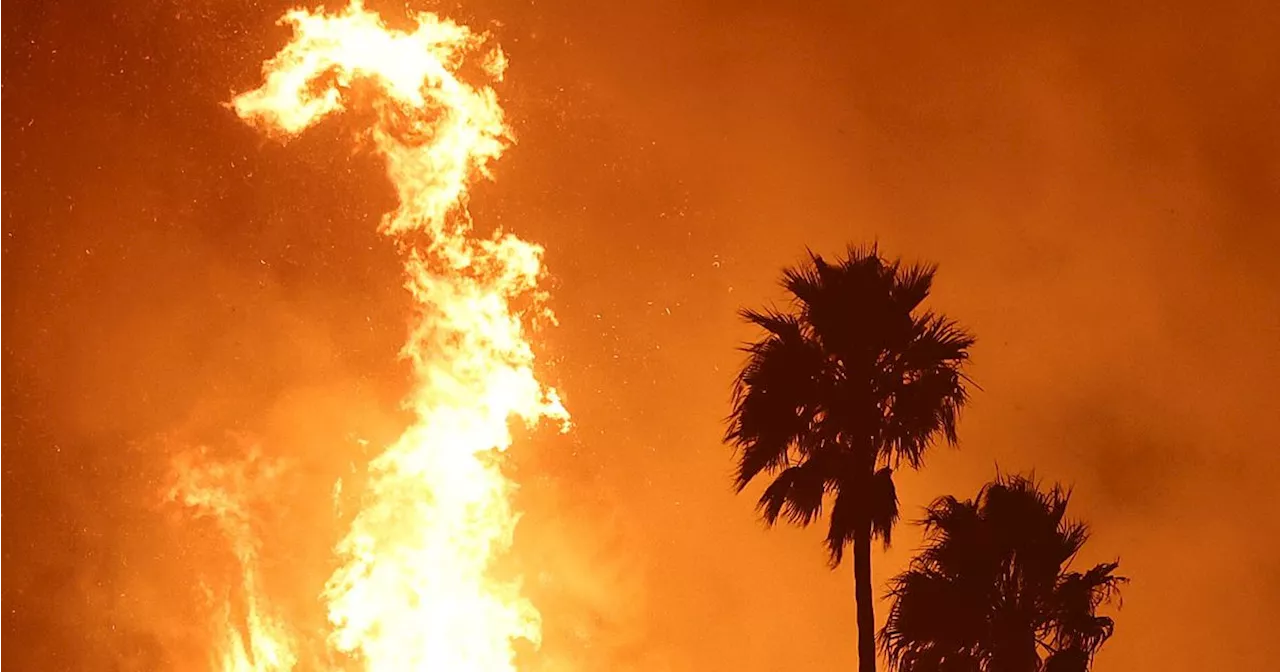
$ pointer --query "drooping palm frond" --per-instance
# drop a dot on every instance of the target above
(922, 408)
(776, 396)
(858, 500)
(925, 388)
(993, 586)
(1076, 598)
(796, 493)
(882, 505)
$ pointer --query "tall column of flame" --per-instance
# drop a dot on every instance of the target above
(414, 591)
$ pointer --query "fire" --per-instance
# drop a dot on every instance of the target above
(221, 492)
(414, 590)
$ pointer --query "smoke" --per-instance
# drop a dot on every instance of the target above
(1098, 184)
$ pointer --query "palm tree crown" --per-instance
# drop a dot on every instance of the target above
(850, 382)
(992, 591)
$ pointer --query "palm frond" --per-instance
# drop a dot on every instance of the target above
(958, 542)
(998, 565)
(846, 516)
(1074, 603)
(777, 323)
(857, 501)
(760, 456)
(796, 493)
(933, 620)
(1067, 660)
(937, 341)
(920, 410)
(883, 504)
(805, 282)
(912, 285)
(775, 396)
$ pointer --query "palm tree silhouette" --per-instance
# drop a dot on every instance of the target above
(841, 389)
(992, 590)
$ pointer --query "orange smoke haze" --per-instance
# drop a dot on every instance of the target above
(1100, 184)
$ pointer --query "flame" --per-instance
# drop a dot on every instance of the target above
(414, 590)
(219, 491)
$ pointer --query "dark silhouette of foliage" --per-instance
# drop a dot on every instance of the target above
(852, 380)
(993, 589)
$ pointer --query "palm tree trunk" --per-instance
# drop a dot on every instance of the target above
(864, 599)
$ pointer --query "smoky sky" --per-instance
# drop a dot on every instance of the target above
(1098, 182)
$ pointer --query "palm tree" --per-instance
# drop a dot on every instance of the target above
(841, 389)
(993, 590)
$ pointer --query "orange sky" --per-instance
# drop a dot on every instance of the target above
(1100, 184)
